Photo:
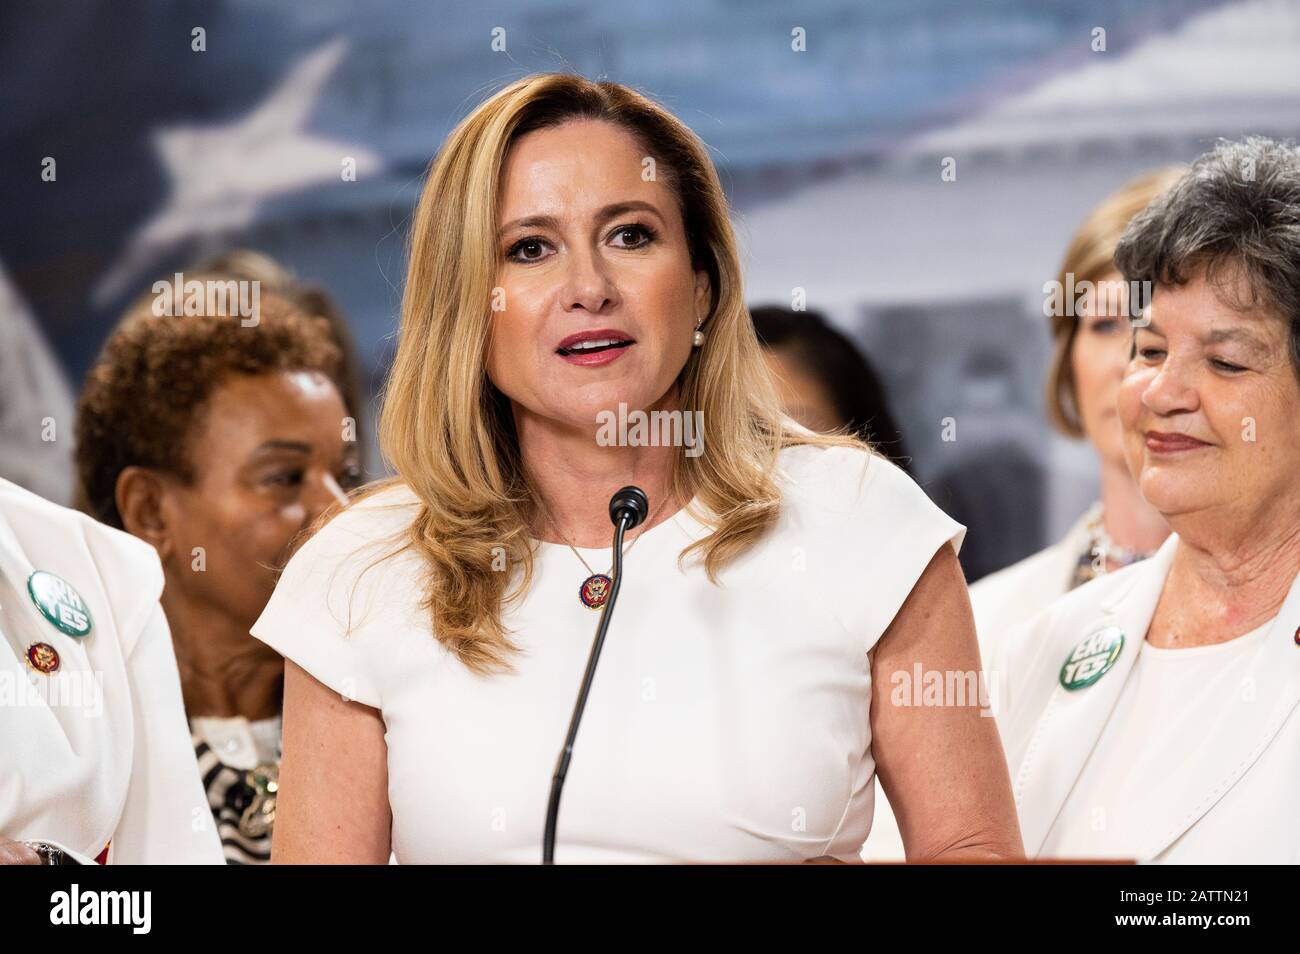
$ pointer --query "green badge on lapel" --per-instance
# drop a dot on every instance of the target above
(1092, 658)
(59, 603)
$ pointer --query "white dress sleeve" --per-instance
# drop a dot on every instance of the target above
(891, 532)
(166, 818)
(331, 585)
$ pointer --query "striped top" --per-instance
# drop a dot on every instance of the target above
(239, 763)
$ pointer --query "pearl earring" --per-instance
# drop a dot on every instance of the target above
(699, 337)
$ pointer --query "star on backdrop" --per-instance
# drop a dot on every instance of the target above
(221, 173)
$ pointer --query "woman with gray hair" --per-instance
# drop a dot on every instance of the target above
(1152, 713)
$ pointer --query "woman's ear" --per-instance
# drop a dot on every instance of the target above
(140, 495)
(703, 296)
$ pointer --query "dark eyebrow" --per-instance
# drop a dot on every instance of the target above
(283, 445)
(1237, 334)
(608, 212)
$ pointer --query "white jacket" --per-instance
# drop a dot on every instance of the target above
(1016, 594)
(1232, 799)
(96, 751)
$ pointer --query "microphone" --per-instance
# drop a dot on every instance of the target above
(627, 509)
(631, 501)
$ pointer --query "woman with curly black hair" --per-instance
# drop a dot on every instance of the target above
(219, 440)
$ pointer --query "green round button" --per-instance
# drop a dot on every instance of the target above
(1092, 658)
(59, 603)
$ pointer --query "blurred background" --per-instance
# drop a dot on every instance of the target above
(832, 158)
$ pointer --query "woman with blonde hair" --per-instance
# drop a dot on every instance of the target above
(1088, 306)
(571, 259)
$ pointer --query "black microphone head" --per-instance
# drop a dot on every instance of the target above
(632, 503)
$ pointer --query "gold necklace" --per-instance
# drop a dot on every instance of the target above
(1101, 552)
(594, 592)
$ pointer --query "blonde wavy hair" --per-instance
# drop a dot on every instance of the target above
(1091, 258)
(448, 432)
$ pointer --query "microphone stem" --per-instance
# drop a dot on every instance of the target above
(566, 754)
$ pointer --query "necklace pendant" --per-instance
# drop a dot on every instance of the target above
(259, 815)
(595, 590)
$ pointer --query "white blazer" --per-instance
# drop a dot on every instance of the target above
(1232, 800)
(1017, 593)
(97, 752)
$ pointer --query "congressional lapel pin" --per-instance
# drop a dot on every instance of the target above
(43, 658)
(59, 603)
(1092, 658)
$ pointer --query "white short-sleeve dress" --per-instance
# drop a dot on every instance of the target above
(725, 723)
